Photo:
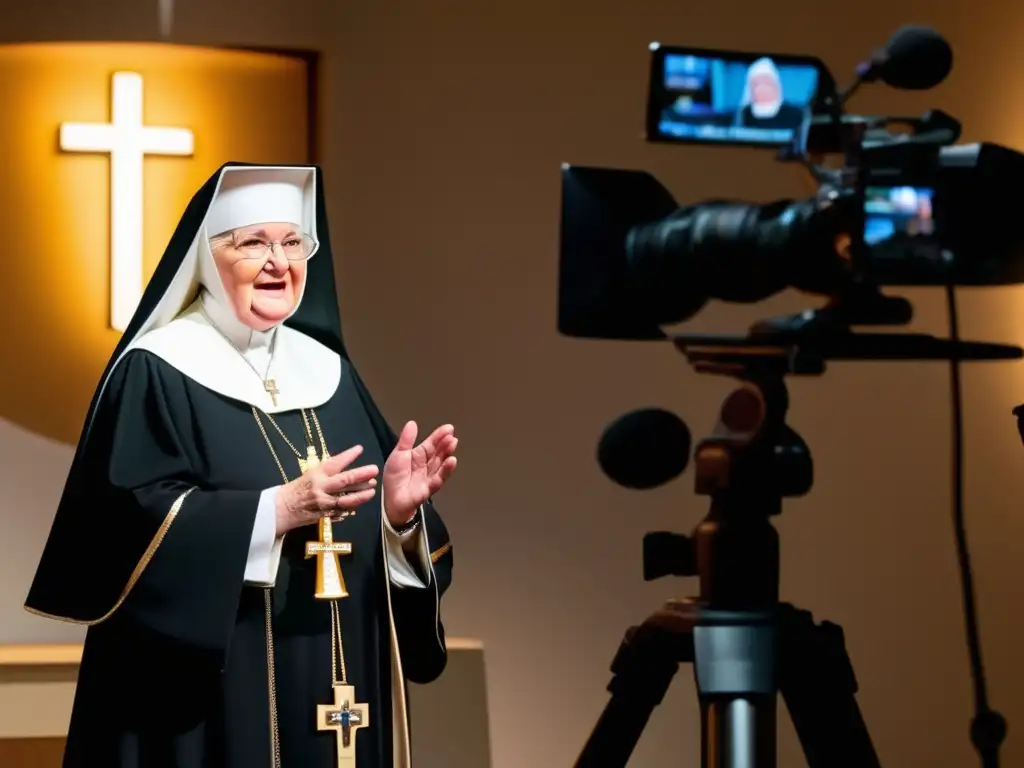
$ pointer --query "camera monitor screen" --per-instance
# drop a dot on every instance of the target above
(900, 229)
(898, 213)
(730, 97)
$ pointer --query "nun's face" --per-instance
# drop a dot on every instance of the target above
(261, 282)
(764, 88)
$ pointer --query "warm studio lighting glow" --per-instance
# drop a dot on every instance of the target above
(127, 141)
(109, 143)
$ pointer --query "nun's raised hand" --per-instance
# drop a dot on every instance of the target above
(413, 473)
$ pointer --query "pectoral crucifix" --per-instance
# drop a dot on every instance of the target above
(330, 584)
(271, 386)
(344, 717)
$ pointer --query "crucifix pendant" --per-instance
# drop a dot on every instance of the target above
(345, 716)
(271, 386)
(330, 584)
(311, 460)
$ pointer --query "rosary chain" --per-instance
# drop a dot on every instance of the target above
(337, 647)
(270, 445)
(305, 420)
(275, 730)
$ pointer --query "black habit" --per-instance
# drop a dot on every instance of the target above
(184, 663)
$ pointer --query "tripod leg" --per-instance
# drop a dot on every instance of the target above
(817, 683)
(642, 671)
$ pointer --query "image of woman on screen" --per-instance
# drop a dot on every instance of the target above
(763, 104)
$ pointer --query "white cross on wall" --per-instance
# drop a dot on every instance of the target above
(127, 141)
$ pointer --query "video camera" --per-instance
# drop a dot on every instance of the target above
(901, 208)
(905, 207)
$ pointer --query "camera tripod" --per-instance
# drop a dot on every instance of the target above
(744, 645)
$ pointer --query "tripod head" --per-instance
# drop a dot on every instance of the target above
(752, 459)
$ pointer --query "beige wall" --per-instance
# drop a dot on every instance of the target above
(445, 125)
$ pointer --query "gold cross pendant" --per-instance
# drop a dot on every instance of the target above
(311, 460)
(271, 386)
(345, 716)
(330, 584)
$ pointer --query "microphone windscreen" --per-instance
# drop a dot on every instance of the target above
(644, 449)
(917, 58)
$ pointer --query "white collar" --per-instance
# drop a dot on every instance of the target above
(207, 344)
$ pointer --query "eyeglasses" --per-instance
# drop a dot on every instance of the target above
(298, 247)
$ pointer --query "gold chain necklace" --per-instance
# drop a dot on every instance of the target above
(310, 459)
(345, 715)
